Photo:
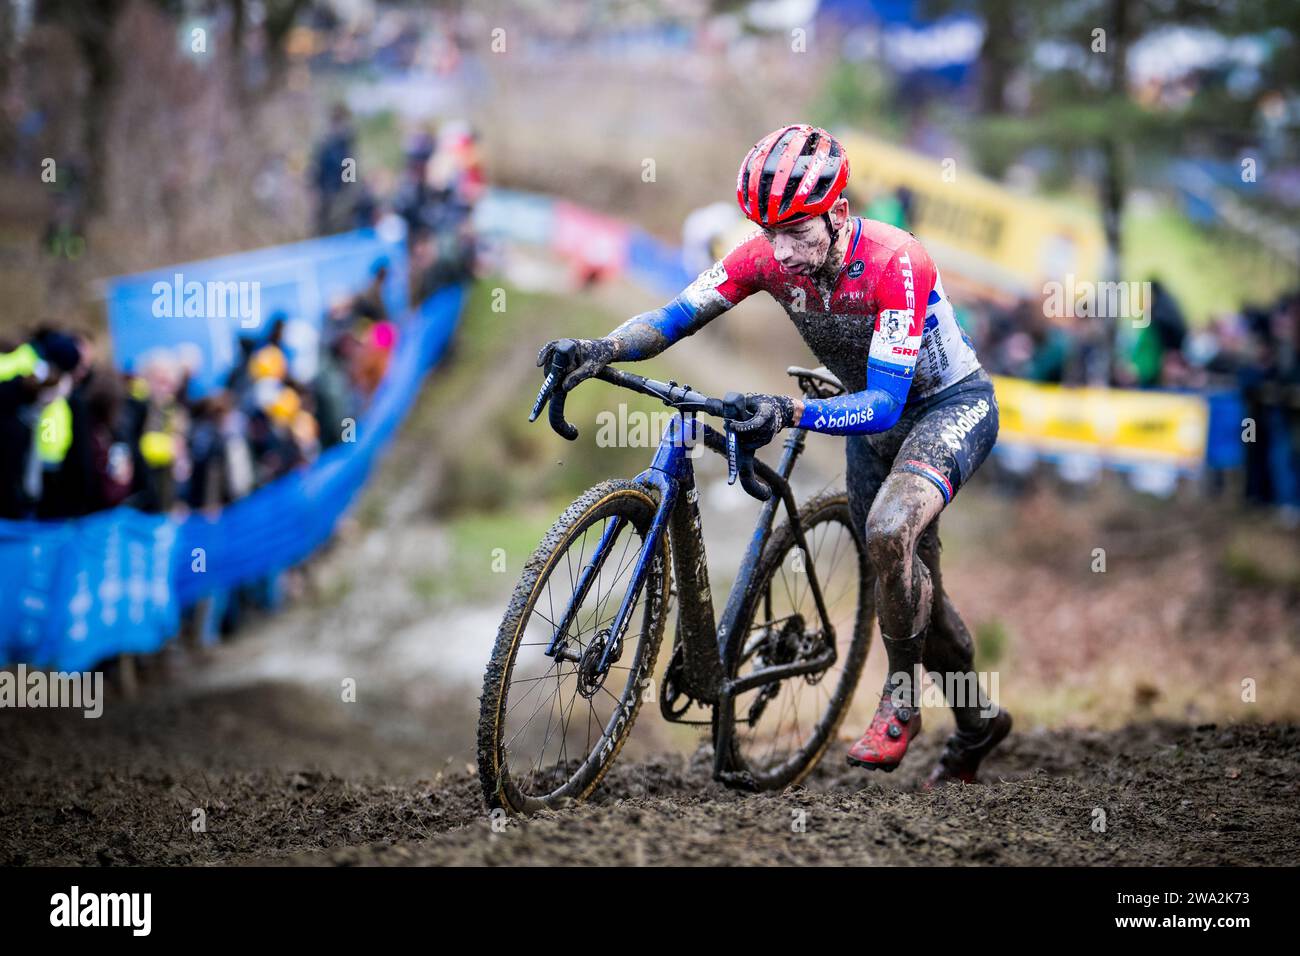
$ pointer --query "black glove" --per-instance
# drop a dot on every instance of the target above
(771, 413)
(593, 355)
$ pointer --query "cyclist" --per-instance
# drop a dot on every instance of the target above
(919, 411)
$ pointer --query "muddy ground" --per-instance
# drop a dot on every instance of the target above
(1162, 691)
(280, 783)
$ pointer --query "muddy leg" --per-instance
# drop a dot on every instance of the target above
(904, 507)
(948, 648)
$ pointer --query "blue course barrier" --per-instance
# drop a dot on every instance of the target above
(213, 303)
(1223, 445)
(287, 519)
(77, 592)
(656, 264)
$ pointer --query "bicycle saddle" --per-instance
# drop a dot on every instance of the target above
(817, 382)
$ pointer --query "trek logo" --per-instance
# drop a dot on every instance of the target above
(846, 419)
(908, 282)
(132, 910)
(966, 420)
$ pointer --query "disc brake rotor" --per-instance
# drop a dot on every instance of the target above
(590, 675)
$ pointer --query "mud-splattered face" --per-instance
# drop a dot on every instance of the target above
(804, 248)
(800, 248)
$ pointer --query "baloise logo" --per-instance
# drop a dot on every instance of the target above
(969, 417)
(846, 419)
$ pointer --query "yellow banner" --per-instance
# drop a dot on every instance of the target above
(1122, 426)
(975, 228)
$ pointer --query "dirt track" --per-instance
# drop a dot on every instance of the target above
(280, 784)
(254, 733)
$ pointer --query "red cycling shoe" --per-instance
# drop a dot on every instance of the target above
(885, 741)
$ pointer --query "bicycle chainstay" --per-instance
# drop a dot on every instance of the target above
(672, 693)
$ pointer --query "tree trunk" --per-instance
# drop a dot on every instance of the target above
(998, 55)
(1114, 176)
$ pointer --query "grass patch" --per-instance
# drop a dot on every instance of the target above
(1261, 560)
(1209, 271)
(509, 461)
(991, 641)
(488, 552)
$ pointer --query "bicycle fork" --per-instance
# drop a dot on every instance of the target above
(666, 472)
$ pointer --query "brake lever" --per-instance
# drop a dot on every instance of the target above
(547, 385)
(563, 358)
(733, 466)
(740, 460)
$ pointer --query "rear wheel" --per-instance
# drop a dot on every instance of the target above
(783, 728)
(550, 726)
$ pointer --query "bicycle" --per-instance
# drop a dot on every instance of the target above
(783, 629)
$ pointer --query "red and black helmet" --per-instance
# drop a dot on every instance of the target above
(793, 173)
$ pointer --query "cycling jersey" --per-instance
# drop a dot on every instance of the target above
(885, 327)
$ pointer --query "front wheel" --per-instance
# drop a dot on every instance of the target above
(783, 728)
(551, 725)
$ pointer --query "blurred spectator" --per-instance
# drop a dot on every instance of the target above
(371, 362)
(222, 469)
(441, 183)
(455, 168)
(704, 231)
(415, 196)
(334, 212)
(336, 396)
(163, 424)
(74, 476)
(270, 361)
(893, 207)
(369, 302)
(35, 420)
(1160, 342)
(1269, 380)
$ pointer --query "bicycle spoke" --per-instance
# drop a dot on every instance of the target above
(796, 717)
(578, 702)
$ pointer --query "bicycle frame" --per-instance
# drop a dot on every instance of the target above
(709, 650)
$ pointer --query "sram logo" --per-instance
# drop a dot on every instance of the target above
(900, 350)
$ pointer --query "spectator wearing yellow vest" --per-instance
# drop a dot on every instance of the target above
(163, 430)
(35, 422)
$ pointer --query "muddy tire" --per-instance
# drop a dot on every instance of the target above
(549, 728)
(780, 739)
